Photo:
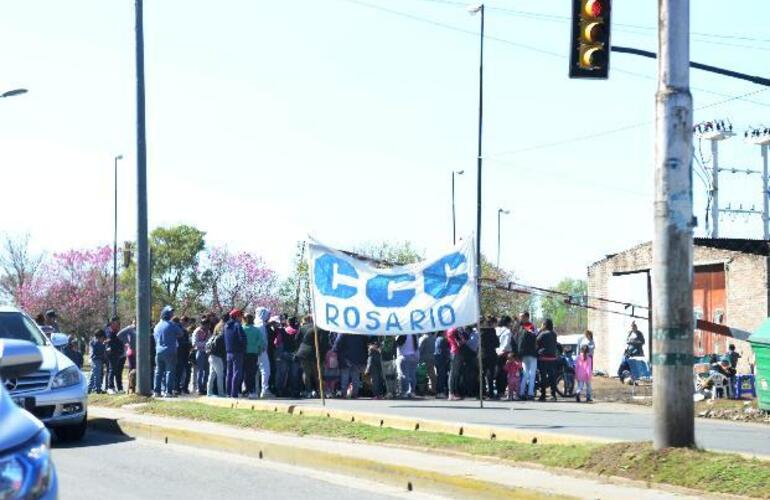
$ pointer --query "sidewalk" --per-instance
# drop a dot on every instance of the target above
(455, 476)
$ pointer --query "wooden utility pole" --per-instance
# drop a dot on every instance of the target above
(672, 272)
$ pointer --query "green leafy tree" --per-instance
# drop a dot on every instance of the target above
(175, 258)
(497, 302)
(567, 318)
(399, 253)
(294, 291)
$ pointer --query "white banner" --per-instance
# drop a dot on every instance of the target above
(353, 296)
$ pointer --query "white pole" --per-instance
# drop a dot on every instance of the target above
(715, 189)
(672, 271)
(765, 208)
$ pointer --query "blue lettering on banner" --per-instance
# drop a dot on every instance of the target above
(332, 320)
(377, 290)
(437, 284)
(416, 324)
(356, 316)
(393, 323)
(323, 272)
(374, 320)
(451, 320)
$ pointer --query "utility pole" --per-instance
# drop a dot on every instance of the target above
(115, 246)
(500, 211)
(143, 298)
(714, 131)
(761, 138)
(672, 271)
(454, 221)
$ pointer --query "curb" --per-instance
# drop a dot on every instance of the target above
(409, 478)
(406, 423)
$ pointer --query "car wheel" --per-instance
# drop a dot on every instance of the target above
(74, 432)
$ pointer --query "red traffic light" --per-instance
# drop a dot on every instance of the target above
(594, 8)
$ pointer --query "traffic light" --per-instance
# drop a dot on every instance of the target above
(590, 48)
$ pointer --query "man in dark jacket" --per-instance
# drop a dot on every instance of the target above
(351, 353)
(116, 356)
(547, 356)
(526, 346)
(235, 345)
(307, 355)
(489, 344)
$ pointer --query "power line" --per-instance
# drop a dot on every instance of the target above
(619, 129)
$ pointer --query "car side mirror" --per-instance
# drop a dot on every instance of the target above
(18, 358)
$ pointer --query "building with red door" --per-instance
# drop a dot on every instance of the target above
(730, 287)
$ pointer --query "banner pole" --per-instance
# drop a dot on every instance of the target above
(481, 368)
(318, 366)
(315, 332)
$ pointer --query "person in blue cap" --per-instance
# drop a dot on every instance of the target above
(166, 333)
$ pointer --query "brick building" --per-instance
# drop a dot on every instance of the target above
(730, 287)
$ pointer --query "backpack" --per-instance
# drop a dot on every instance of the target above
(210, 344)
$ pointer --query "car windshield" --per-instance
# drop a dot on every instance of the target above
(14, 325)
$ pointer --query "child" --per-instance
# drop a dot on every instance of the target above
(583, 372)
(98, 356)
(513, 375)
(374, 370)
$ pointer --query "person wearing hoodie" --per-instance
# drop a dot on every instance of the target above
(352, 355)
(254, 347)
(235, 346)
(166, 334)
(526, 346)
(261, 316)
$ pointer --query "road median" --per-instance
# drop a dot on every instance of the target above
(626, 465)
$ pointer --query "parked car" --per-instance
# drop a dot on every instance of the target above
(56, 393)
(26, 468)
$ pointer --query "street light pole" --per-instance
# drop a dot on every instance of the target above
(115, 245)
(454, 223)
(144, 375)
(500, 211)
(672, 269)
(473, 10)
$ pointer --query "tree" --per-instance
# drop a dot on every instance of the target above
(239, 280)
(294, 292)
(398, 253)
(78, 284)
(175, 251)
(567, 318)
(17, 266)
(500, 302)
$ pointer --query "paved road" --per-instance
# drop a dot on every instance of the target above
(105, 466)
(607, 420)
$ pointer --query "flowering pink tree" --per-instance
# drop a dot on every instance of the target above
(240, 280)
(78, 284)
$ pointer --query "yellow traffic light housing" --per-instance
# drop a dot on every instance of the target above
(590, 48)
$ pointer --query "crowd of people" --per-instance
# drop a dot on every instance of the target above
(257, 355)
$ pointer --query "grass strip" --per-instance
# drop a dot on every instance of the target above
(701, 470)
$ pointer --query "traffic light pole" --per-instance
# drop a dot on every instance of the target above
(672, 272)
(143, 362)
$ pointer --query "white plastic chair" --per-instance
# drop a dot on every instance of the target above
(720, 382)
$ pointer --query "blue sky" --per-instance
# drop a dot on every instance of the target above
(271, 120)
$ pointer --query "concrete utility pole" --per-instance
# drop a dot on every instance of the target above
(672, 272)
(765, 196)
(143, 299)
(714, 131)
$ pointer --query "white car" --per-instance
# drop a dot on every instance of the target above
(57, 392)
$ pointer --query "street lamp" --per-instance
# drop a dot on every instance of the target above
(115, 246)
(500, 211)
(11, 93)
(454, 227)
